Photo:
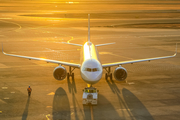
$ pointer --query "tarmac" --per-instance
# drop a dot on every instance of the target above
(37, 28)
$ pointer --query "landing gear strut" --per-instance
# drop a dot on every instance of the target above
(70, 73)
(108, 74)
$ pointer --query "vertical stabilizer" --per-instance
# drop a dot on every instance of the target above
(88, 27)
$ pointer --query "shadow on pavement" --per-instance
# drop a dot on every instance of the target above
(131, 104)
(138, 110)
(25, 113)
(103, 111)
(71, 85)
(76, 106)
(113, 86)
(61, 106)
(123, 108)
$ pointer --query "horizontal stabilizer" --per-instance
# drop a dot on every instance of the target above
(105, 44)
(72, 44)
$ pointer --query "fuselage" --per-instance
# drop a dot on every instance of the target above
(91, 67)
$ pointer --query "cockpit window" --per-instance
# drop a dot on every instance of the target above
(94, 69)
(91, 69)
(88, 69)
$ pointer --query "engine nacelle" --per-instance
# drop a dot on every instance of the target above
(120, 74)
(59, 73)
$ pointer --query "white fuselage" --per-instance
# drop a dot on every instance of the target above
(91, 68)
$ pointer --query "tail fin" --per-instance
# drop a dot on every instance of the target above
(88, 27)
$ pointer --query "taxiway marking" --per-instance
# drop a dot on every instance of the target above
(13, 23)
(47, 116)
(4, 88)
(70, 39)
(6, 98)
(3, 66)
(92, 116)
(52, 93)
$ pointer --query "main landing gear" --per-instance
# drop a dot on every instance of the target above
(108, 74)
(70, 73)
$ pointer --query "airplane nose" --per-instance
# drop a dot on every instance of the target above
(93, 76)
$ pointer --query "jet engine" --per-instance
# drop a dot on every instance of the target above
(59, 73)
(120, 73)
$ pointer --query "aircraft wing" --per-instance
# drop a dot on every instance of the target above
(135, 61)
(46, 60)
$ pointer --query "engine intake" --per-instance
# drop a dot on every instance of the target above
(120, 74)
(59, 73)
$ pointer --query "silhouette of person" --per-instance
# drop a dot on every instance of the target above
(29, 89)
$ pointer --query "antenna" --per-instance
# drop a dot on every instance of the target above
(88, 27)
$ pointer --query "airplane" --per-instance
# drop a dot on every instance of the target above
(90, 66)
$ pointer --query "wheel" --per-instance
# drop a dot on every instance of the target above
(106, 76)
(73, 76)
(110, 76)
(68, 76)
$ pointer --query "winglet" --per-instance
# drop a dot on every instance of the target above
(2, 49)
(88, 27)
(176, 50)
